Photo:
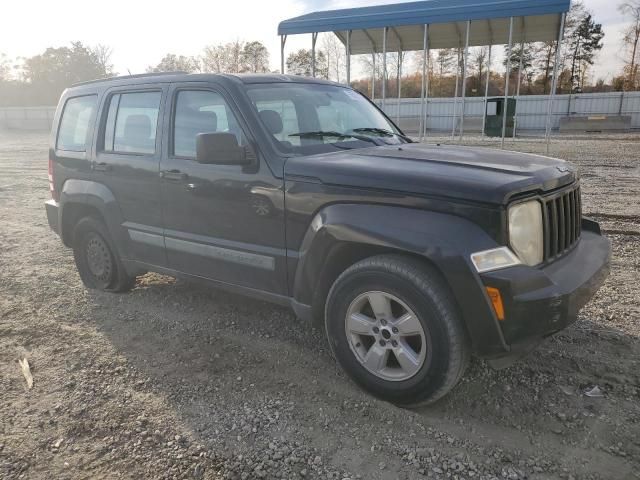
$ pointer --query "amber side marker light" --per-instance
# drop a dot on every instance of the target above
(496, 301)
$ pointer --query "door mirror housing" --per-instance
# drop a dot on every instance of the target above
(220, 149)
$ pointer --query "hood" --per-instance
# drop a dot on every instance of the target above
(468, 173)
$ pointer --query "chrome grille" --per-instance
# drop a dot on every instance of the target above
(562, 214)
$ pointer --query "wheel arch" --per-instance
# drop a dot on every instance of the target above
(74, 211)
(80, 198)
(343, 234)
(343, 255)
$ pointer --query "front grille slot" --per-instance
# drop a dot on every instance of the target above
(562, 222)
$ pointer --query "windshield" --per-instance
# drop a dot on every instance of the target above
(306, 119)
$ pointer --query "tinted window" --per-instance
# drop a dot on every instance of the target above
(201, 112)
(73, 133)
(132, 122)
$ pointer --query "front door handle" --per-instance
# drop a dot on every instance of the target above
(175, 175)
(100, 167)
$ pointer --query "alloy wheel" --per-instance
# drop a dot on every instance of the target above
(386, 336)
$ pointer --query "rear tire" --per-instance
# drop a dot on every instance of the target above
(96, 258)
(394, 327)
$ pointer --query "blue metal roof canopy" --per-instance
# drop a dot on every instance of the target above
(539, 22)
(430, 24)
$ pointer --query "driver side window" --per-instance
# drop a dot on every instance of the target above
(200, 111)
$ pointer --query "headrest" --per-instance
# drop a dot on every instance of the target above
(206, 120)
(191, 120)
(137, 126)
(272, 120)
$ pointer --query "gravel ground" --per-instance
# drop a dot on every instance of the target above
(174, 380)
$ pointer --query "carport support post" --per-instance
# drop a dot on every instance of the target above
(399, 85)
(515, 114)
(554, 82)
(454, 116)
(424, 91)
(283, 40)
(373, 77)
(374, 54)
(486, 92)
(464, 78)
(384, 66)
(506, 83)
(348, 52)
(314, 37)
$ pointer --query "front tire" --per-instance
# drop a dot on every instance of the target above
(394, 327)
(98, 264)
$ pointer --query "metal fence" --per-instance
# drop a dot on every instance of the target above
(531, 110)
(27, 118)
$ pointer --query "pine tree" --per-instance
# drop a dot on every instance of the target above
(584, 43)
(526, 51)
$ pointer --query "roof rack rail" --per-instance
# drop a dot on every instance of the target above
(125, 77)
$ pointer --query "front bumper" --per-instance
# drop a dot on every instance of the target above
(53, 217)
(541, 301)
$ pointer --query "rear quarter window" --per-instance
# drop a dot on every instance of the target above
(76, 123)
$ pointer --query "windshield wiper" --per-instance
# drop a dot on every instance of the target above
(322, 134)
(382, 132)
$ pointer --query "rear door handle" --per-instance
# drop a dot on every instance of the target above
(100, 167)
(175, 175)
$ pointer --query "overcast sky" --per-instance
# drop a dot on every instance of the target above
(141, 32)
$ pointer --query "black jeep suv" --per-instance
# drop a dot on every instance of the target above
(302, 192)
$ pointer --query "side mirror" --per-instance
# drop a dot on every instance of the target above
(220, 149)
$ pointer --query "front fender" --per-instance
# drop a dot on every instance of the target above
(447, 241)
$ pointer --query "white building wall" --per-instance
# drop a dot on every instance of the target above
(26, 118)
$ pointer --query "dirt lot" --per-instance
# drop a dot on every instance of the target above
(176, 381)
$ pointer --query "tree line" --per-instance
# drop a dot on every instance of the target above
(233, 57)
(39, 80)
(530, 66)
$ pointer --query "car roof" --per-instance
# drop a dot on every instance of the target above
(166, 77)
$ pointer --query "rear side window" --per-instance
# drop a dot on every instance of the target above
(75, 126)
(132, 121)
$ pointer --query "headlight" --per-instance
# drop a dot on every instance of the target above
(525, 231)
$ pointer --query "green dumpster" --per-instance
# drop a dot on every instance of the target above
(494, 115)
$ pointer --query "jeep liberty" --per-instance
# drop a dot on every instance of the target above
(302, 192)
